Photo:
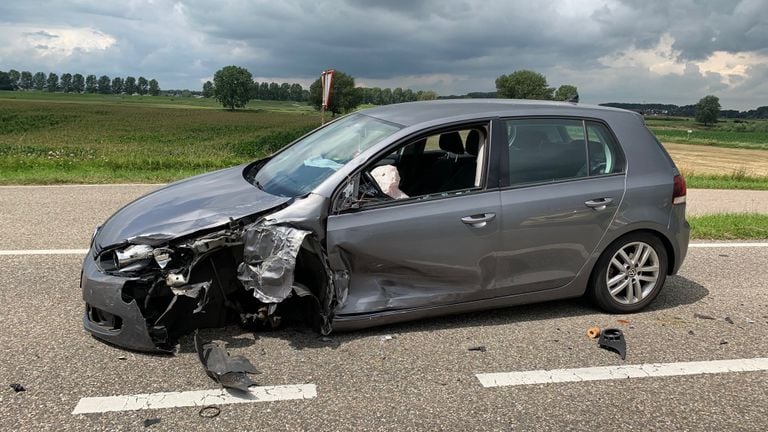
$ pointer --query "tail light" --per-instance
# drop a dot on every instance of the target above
(679, 191)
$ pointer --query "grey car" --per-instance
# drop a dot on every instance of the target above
(396, 213)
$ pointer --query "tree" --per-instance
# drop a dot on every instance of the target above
(254, 90)
(397, 95)
(344, 96)
(141, 87)
(426, 95)
(52, 83)
(90, 84)
(264, 91)
(296, 92)
(129, 85)
(66, 82)
(117, 85)
(231, 86)
(14, 76)
(708, 109)
(524, 84)
(38, 81)
(274, 91)
(154, 87)
(566, 92)
(5, 81)
(78, 83)
(208, 89)
(25, 80)
(104, 85)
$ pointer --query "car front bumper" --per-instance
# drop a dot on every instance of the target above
(108, 316)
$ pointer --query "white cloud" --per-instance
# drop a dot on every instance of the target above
(55, 42)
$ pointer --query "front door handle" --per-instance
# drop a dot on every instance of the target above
(478, 220)
(598, 203)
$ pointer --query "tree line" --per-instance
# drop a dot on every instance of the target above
(267, 91)
(77, 83)
(688, 110)
(234, 86)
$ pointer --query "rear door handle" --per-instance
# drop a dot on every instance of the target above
(478, 220)
(598, 203)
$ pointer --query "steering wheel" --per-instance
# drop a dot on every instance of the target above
(371, 187)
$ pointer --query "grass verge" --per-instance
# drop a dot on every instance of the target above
(737, 180)
(730, 226)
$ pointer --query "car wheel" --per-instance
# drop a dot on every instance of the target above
(629, 273)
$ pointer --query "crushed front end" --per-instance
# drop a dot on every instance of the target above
(146, 294)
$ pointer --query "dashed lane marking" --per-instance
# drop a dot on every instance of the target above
(647, 370)
(193, 398)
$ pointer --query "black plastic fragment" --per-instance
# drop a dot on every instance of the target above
(229, 371)
(612, 339)
(479, 348)
(18, 387)
(151, 421)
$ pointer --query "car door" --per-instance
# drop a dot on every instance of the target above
(417, 252)
(564, 185)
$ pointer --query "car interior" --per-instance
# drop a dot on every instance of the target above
(437, 164)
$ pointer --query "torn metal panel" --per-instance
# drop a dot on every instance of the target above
(307, 213)
(269, 258)
(229, 371)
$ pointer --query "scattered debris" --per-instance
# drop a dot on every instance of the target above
(151, 421)
(690, 332)
(209, 411)
(728, 320)
(386, 338)
(593, 332)
(622, 321)
(723, 255)
(613, 340)
(723, 342)
(122, 358)
(326, 339)
(749, 321)
(702, 316)
(18, 387)
(229, 371)
(480, 348)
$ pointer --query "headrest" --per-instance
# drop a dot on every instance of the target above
(473, 142)
(451, 143)
(530, 139)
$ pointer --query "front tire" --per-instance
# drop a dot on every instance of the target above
(630, 273)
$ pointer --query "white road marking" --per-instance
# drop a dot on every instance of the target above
(44, 252)
(194, 398)
(621, 372)
(727, 245)
(80, 185)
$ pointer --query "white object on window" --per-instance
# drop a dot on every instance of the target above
(388, 179)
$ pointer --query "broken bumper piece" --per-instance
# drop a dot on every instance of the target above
(107, 316)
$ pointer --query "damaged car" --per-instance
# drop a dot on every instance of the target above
(396, 213)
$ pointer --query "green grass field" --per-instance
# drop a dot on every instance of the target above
(729, 226)
(749, 134)
(94, 139)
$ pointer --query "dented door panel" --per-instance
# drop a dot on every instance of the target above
(415, 254)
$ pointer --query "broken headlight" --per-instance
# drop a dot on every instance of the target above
(134, 257)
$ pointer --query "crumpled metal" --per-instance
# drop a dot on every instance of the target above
(269, 259)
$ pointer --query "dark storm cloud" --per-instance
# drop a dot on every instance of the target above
(463, 45)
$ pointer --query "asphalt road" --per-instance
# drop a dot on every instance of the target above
(415, 376)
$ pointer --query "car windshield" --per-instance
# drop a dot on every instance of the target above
(304, 165)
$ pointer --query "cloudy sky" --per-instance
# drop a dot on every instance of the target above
(630, 51)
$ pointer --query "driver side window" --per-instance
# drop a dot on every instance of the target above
(441, 164)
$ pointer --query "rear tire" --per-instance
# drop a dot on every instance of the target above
(630, 273)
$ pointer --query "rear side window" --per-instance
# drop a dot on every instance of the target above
(604, 158)
(549, 150)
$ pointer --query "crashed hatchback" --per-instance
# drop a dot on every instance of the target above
(396, 213)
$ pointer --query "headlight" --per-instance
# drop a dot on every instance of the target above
(133, 257)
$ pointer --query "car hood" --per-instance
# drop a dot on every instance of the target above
(181, 208)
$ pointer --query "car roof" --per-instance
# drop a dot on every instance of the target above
(414, 113)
